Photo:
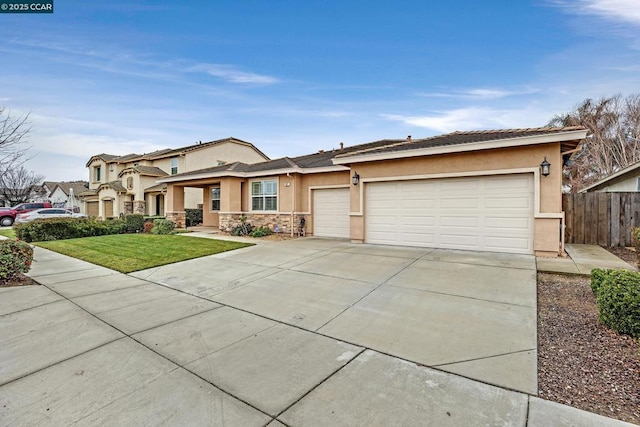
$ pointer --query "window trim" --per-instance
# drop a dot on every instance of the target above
(211, 199)
(264, 196)
(171, 166)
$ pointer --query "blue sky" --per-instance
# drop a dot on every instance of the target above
(294, 77)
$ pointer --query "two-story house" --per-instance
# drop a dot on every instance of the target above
(127, 184)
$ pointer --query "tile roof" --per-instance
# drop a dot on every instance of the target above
(323, 159)
(77, 186)
(157, 187)
(168, 152)
(116, 185)
(145, 170)
(456, 138)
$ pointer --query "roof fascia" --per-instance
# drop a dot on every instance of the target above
(612, 177)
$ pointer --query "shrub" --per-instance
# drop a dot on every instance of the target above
(15, 258)
(635, 236)
(162, 226)
(261, 232)
(148, 226)
(67, 228)
(134, 222)
(193, 217)
(618, 300)
(151, 218)
(598, 276)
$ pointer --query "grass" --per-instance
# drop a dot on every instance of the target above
(8, 232)
(133, 252)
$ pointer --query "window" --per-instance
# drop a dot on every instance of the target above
(97, 173)
(638, 188)
(264, 195)
(174, 166)
(215, 198)
(221, 162)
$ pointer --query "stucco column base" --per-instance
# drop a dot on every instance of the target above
(358, 241)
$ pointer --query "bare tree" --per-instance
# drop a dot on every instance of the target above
(13, 134)
(18, 185)
(613, 141)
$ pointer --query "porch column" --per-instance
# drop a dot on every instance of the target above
(175, 205)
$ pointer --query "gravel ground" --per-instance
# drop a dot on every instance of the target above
(580, 362)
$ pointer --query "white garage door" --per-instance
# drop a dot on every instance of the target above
(331, 212)
(489, 213)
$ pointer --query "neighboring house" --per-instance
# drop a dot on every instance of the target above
(65, 195)
(627, 179)
(128, 184)
(479, 190)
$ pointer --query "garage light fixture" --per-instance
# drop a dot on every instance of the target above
(356, 178)
(545, 167)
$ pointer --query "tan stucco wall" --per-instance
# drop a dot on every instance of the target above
(226, 152)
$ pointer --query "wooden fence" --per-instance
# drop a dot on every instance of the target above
(603, 219)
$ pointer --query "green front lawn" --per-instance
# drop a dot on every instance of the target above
(132, 252)
(8, 232)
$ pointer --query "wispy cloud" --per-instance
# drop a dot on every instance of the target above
(474, 118)
(232, 74)
(613, 10)
(619, 10)
(479, 93)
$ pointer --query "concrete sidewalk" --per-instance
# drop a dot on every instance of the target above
(92, 346)
(581, 260)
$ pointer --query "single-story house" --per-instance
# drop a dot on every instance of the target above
(627, 179)
(490, 190)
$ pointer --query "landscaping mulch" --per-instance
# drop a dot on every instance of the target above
(627, 255)
(581, 363)
(21, 280)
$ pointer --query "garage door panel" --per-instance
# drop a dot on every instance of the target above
(506, 242)
(481, 213)
(459, 221)
(523, 224)
(331, 212)
(508, 203)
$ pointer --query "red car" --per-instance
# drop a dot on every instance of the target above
(7, 217)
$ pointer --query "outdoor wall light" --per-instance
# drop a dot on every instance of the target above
(545, 167)
(356, 178)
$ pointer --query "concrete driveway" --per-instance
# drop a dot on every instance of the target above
(302, 332)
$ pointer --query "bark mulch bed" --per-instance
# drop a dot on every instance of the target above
(580, 362)
(21, 280)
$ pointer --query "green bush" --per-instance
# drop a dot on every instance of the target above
(151, 218)
(15, 258)
(134, 222)
(67, 228)
(162, 226)
(635, 236)
(598, 276)
(618, 299)
(261, 232)
(193, 217)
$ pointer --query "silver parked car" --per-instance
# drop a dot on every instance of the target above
(47, 213)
